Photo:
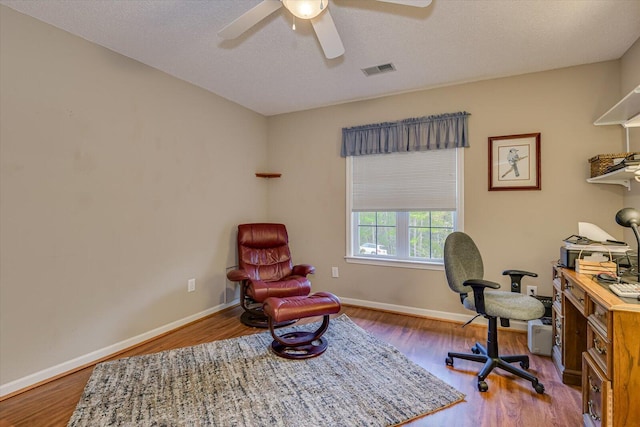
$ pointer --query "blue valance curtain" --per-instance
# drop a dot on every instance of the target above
(417, 134)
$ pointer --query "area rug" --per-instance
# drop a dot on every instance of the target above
(358, 381)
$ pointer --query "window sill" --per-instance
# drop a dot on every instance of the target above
(393, 263)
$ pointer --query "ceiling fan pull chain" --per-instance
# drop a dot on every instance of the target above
(321, 6)
(293, 27)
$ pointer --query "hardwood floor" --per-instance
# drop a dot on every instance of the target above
(509, 401)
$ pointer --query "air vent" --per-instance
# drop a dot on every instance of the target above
(383, 68)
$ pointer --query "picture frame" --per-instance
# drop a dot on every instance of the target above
(514, 162)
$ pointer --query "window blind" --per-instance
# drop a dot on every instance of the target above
(412, 181)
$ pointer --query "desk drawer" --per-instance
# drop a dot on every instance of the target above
(596, 394)
(599, 348)
(557, 295)
(575, 294)
(600, 317)
(557, 327)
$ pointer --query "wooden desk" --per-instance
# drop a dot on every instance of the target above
(597, 346)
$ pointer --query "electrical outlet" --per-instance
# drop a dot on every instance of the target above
(532, 291)
(334, 272)
(191, 285)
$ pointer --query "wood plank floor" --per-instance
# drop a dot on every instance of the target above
(509, 401)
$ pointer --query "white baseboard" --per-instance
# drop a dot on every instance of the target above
(518, 325)
(88, 359)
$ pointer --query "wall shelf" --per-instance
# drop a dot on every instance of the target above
(268, 175)
(625, 113)
(620, 177)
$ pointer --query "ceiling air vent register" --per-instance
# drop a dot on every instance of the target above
(377, 69)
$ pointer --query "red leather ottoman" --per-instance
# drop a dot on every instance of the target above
(300, 344)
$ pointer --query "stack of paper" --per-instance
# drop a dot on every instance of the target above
(595, 247)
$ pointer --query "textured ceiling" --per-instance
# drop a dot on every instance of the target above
(272, 69)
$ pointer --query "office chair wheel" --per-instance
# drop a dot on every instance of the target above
(483, 387)
(449, 361)
(524, 365)
(539, 388)
(475, 349)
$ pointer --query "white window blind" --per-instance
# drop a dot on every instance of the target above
(414, 181)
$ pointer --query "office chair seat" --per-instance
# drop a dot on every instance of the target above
(508, 305)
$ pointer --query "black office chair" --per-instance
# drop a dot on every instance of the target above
(464, 270)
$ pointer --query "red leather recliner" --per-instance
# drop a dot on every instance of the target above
(265, 270)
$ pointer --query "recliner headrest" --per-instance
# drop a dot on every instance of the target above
(262, 235)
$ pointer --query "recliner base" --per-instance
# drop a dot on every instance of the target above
(260, 320)
(299, 345)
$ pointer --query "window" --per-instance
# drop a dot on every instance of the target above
(402, 206)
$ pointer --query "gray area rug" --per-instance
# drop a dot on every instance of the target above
(358, 381)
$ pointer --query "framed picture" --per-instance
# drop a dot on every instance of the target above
(514, 162)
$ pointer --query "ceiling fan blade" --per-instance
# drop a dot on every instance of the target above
(328, 35)
(249, 19)
(415, 3)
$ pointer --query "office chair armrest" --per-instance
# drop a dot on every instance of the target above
(519, 273)
(303, 269)
(478, 286)
(516, 277)
(237, 275)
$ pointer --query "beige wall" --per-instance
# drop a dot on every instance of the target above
(115, 189)
(118, 183)
(630, 69)
(514, 229)
(630, 79)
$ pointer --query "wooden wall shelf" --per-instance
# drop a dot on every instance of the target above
(268, 175)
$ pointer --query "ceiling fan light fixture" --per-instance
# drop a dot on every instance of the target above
(305, 9)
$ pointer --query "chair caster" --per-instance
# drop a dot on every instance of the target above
(538, 387)
(475, 349)
(524, 365)
(482, 386)
(449, 361)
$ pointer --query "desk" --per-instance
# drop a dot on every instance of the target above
(597, 346)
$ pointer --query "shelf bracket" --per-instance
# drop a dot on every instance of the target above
(626, 129)
(268, 175)
(624, 182)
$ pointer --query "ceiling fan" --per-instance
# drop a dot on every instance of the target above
(316, 11)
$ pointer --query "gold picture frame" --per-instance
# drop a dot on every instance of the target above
(514, 162)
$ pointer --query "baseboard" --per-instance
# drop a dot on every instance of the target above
(517, 325)
(22, 384)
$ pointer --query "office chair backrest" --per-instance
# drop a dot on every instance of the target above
(462, 261)
(263, 251)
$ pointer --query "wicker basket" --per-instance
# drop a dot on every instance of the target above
(601, 162)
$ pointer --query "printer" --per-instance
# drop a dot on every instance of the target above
(591, 240)
(569, 256)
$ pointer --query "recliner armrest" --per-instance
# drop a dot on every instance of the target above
(478, 286)
(303, 269)
(237, 275)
